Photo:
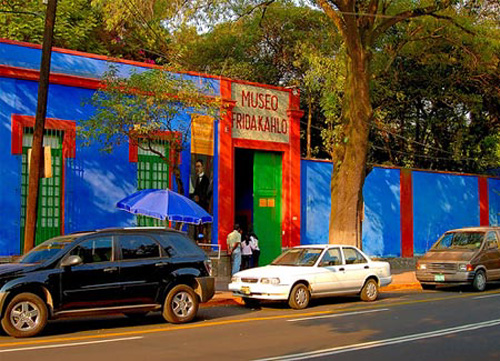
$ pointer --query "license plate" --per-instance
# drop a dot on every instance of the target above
(439, 278)
(245, 290)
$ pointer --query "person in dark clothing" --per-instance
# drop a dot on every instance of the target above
(201, 185)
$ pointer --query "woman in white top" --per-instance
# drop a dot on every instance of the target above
(254, 244)
(246, 253)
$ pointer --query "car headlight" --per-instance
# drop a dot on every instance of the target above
(235, 279)
(421, 266)
(270, 281)
(465, 267)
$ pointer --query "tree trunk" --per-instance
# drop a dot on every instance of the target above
(350, 163)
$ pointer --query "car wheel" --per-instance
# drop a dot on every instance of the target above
(479, 282)
(181, 304)
(25, 316)
(369, 292)
(251, 302)
(427, 287)
(299, 297)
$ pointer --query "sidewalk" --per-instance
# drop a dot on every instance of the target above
(403, 280)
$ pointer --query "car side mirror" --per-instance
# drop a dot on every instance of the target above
(71, 261)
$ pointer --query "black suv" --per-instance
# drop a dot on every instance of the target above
(129, 271)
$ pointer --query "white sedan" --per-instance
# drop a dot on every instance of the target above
(306, 272)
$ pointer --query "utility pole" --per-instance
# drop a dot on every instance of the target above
(41, 111)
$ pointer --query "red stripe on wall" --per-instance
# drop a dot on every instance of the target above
(226, 166)
(406, 189)
(484, 207)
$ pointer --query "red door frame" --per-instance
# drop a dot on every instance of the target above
(19, 122)
(290, 196)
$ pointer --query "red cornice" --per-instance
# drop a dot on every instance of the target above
(55, 78)
(22, 121)
(136, 63)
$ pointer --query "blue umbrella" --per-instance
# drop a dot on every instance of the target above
(164, 204)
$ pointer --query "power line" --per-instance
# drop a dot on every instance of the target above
(21, 12)
(414, 154)
(138, 15)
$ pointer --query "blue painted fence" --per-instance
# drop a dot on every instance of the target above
(440, 202)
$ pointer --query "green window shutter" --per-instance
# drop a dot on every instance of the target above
(152, 173)
(50, 193)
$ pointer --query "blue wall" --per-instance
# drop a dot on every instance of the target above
(442, 202)
(94, 181)
(79, 65)
(382, 216)
(315, 200)
(494, 201)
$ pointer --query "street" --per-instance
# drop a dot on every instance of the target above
(448, 324)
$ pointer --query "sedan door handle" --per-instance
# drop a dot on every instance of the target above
(341, 269)
(161, 264)
(110, 269)
(366, 267)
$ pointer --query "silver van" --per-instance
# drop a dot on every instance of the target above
(466, 256)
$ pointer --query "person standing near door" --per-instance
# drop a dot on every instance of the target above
(234, 248)
(254, 244)
(246, 252)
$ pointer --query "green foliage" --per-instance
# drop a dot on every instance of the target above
(436, 94)
(142, 104)
(76, 26)
(87, 26)
(142, 107)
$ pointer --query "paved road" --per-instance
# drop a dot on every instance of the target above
(432, 325)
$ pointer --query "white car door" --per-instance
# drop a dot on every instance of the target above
(328, 278)
(356, 268)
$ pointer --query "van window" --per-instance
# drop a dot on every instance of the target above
(460, 241)
(492, 240)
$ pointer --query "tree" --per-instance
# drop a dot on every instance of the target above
(144, 108)
(283, 44)
(438, 96)
(88, 26)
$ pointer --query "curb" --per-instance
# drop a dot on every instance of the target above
(227, 299)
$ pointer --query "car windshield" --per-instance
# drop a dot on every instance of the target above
(460, 241)
(298, 257)
(46, 250)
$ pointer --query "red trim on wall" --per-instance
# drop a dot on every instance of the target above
(55, 78)
(406, 209)
(484, 207)
(19, 122)
(294, 164)
(290, 197)
(226, 166)
(23, 121)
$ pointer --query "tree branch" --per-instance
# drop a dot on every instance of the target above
(451, 20)
(334, 15)
(406, 15)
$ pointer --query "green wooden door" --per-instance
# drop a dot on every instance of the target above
(267, 204)
(49, 214)
(152, 173)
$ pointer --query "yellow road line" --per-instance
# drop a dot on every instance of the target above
(229, 322)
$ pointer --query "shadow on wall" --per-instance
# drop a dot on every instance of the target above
(316, 201)
(494, 201)
(95, 182)
(382, 215)
(442, 202)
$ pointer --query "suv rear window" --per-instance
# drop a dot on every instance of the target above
(176, 244)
